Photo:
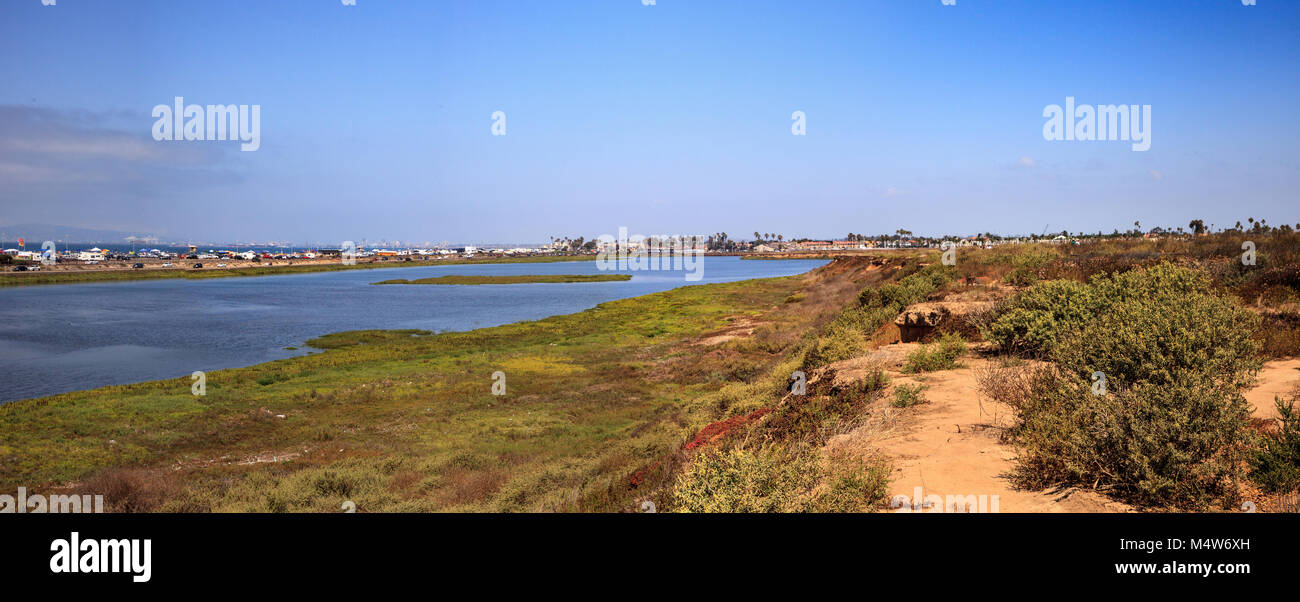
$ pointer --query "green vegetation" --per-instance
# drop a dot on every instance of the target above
(939, 355)
(773, 480)
(1031, 322)
(364, 337)
(906, 396)
(125, 274)
(1276, 464)
(525, 279)
(848, 334)
(1171, 426)
(598, 404)
(779, 463)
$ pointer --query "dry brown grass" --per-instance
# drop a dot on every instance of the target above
(470, 486)
(132, 489)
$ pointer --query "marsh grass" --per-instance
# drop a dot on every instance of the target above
(406, 420)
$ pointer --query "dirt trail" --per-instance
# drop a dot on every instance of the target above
(950, 446)
(1278, 378)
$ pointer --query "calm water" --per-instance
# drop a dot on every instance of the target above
(69, 337)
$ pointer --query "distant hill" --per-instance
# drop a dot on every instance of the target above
(42, 232)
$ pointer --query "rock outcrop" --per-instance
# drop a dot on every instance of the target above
(919, 321)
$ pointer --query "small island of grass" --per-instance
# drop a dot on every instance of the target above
(524, 279)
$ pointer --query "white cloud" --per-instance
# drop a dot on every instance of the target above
(1027, 161)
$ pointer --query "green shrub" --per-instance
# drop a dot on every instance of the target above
(1178, 444)
(911, 289)
(1171, 427)
(738, 480)
(776, 480)
(906, 396)
(1034, 320)
(940, 355)
(1276, 465)
(840, 341)
(853, 485)
(1030, 322)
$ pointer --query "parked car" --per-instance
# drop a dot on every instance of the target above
(20, 268)
(221, 265)
(137, 266)
(198, 265)
(168, 264)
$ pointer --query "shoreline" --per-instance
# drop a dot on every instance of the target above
(303, 345)
(127, 274)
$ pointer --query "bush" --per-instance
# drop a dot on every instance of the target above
(940, 355)
(131, 489)
(907, 396)
(854, 485)
(1030, 322)
(1171, 426)
(1276, 466)
(840, 341)
(774, 480)
(911, 289)
(1180, 444)
(1034, 321)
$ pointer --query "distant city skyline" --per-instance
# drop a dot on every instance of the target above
(383, 120)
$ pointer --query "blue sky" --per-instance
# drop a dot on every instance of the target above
(668, 119)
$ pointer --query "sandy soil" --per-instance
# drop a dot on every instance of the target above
(1278, 378)
(951, 446)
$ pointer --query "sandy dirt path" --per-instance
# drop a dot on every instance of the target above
(950, 446)
(1278, 378)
